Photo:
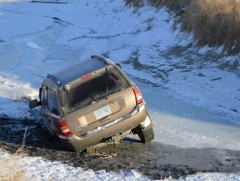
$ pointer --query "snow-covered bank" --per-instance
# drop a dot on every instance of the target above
(55, 165)
(41, 38)
(40, 169)
(141, 39)
(212, 177)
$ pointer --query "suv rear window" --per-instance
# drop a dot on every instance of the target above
(96, 88)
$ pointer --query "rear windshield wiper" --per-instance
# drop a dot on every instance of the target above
(104, 96)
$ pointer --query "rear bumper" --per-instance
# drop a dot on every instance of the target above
(121, 125)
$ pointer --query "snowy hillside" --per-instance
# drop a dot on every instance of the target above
(192, 102)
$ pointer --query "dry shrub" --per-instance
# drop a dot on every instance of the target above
(10, 170)
(214, 22)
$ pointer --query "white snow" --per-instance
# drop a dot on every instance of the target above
(40, 169)
(191, 106)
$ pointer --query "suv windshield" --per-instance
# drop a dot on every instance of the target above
(93, 90)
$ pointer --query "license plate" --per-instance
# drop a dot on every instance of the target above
(102, 112)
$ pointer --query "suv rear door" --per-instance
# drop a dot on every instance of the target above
(102, 98)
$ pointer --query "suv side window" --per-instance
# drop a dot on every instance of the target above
(48, 99)
(43, 97)
(52, 101)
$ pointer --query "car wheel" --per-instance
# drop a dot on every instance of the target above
(145, 134)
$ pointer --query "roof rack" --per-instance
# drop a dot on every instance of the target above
(54, 79)
(101, 58)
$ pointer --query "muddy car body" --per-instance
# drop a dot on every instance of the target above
(91, 102)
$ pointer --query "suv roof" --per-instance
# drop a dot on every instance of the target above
(82, 68)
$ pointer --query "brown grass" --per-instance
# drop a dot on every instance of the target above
(9, 169)
(212, 22)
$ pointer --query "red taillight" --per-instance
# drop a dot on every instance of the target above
(64, 128)
(138, 95)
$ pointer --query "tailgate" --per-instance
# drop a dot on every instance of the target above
(101, 112)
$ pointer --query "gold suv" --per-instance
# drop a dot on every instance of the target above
(92, 102)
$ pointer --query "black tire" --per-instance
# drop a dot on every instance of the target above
(145, 134)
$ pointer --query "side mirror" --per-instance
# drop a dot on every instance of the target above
(119, 65)
(34, 103)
